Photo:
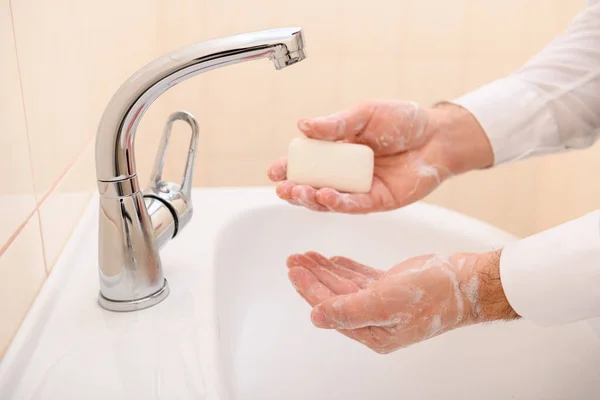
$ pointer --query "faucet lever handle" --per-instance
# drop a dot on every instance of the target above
(173, 198)
(156, 181)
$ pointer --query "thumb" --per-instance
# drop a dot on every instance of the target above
(344, 125)
(351, 311)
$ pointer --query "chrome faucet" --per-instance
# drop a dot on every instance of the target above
(135, 224)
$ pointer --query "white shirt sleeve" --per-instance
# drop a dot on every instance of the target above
(551, 104)
(553, 277)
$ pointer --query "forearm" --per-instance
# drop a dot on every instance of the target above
(466, 146)
(481, 290)
(493, 303)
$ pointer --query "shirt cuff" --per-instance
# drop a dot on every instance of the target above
(553, 277)
(514, 117)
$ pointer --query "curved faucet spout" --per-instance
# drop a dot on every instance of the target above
(114, 142)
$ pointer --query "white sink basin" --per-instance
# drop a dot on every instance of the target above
(270, 350)
(233, 328)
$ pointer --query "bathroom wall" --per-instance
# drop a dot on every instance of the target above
(62, 60)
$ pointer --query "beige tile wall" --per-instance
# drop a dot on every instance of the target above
(62, 60)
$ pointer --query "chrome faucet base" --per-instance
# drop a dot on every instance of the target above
(134, 305)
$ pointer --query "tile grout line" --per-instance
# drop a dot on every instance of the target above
(36, 209)
(22, 99)
(65, 171)
(39, 218)
(38, 201)
(12, 238)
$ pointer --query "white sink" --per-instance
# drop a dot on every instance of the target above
(233, 328)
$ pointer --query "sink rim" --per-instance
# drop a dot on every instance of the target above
(264, 198)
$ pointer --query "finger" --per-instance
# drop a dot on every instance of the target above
(350, 311)
(344, 202)
(308, 286)
(362, 269)
(388, 127)
(346, 124)
(306, 196)
(293, 202)
(284, 190)
(418, 264)
(278, 171)
(337, 284)
(357, 278)
(379, 198)
(374, 337)
(314, 292)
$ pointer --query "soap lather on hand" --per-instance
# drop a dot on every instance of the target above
(376, 156)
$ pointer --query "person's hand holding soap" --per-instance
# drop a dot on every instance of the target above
(415, 149)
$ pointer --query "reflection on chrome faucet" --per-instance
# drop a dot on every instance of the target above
(135, 224)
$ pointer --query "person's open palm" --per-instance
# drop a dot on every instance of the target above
(418, 299)
(413, 155)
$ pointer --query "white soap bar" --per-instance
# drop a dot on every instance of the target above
(346, 167)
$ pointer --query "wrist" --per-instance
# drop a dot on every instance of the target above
(465, 145)
(493, 304)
